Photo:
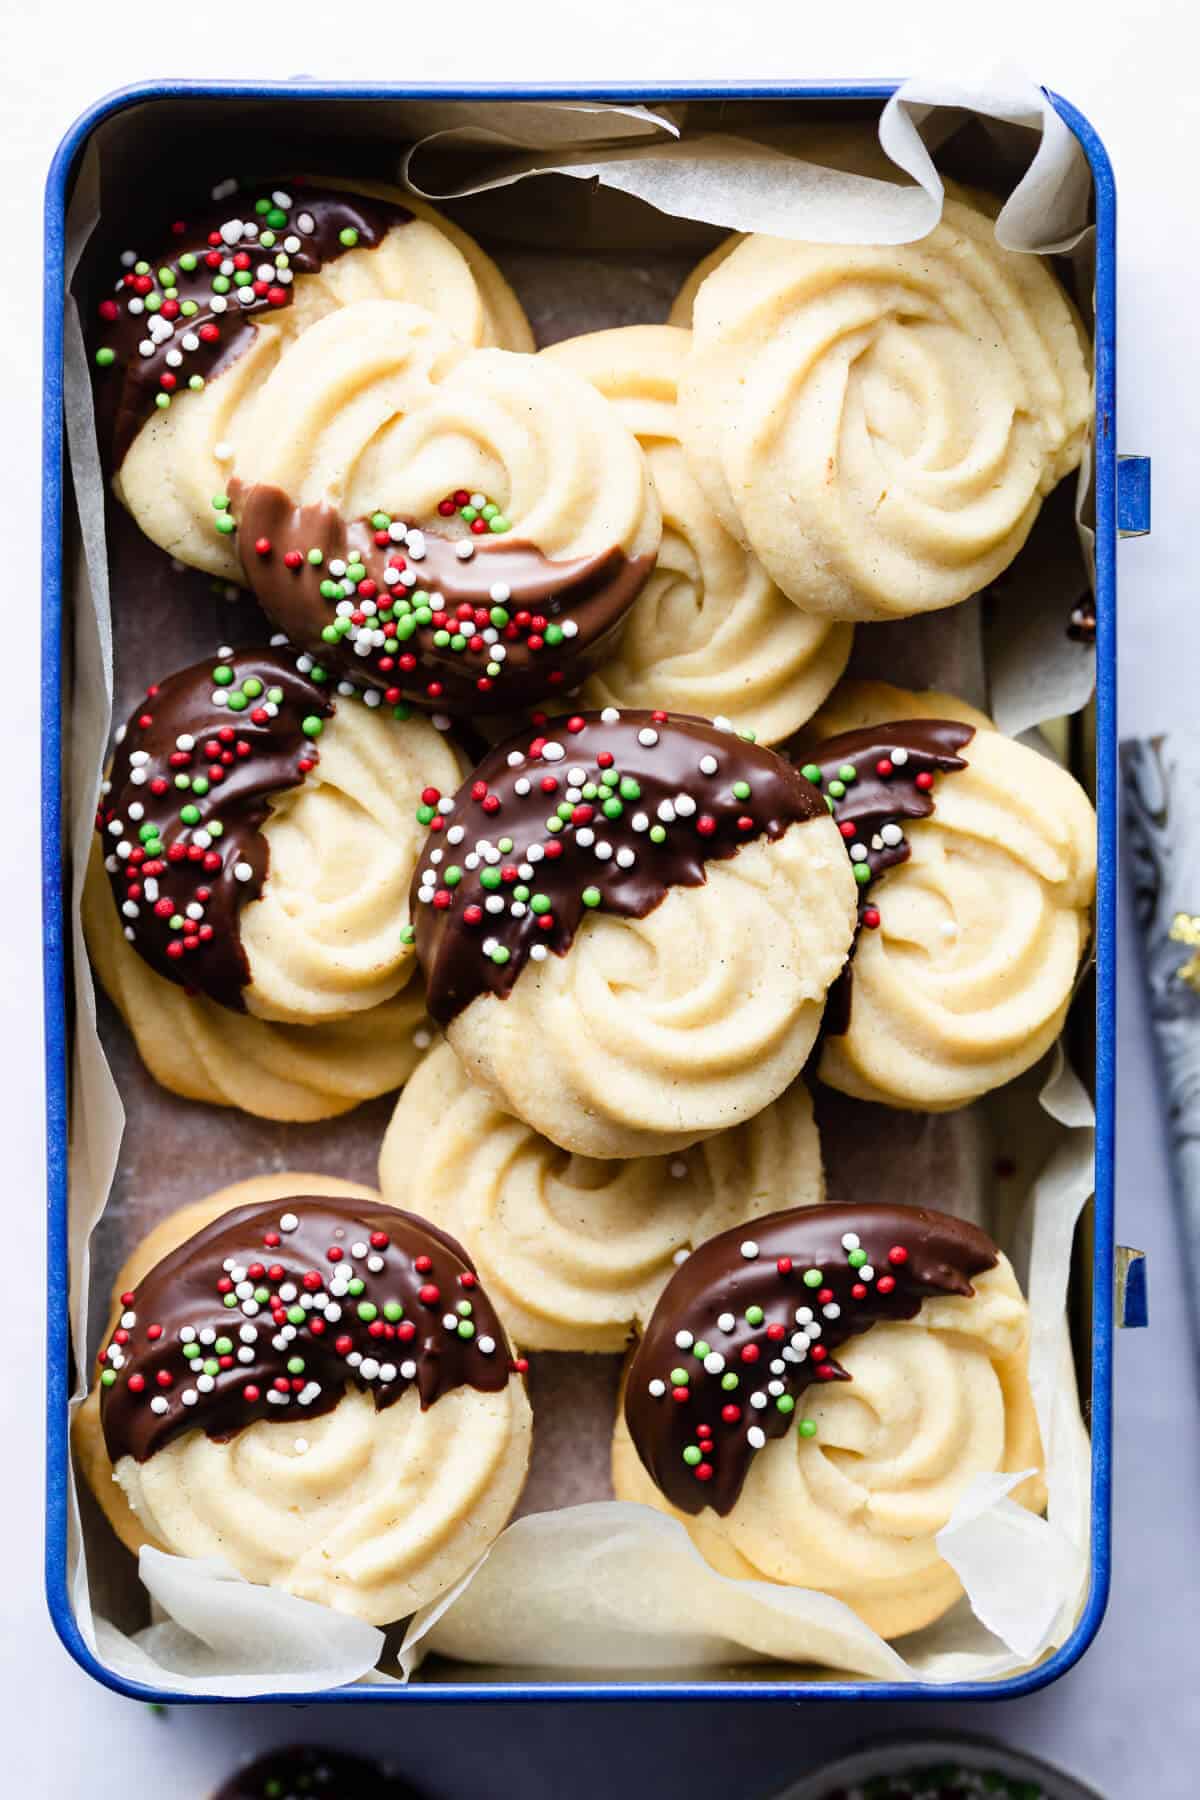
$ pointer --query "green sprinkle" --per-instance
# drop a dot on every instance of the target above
(262, 1295)
(729, 1381)
(107, 1379)
(629, 788)
(812, 773)
(392, 1310)
(146, 832)
(221, 284)
(356, 572)
(183, 781)
(316, 558)
(224, 1346)
(499, 524)
(231, 1299)
(212, 1366)
(267, 241)
(243, 278)
(312, 727)
(807, 1428)
(554, 634)
(408, 934)
(813, 1277)
(468, 514)
(367, 1312)
(347, 236)
(857, 1258)
(167, 277)
(356, 1287)
(589, 790)
(499, 617)
(785, 1404)
(612, 809)
(190, 815)
(105, 358)
(187, 261)
(679, 1378)
(490, 511)
(700, 1350)
(691, 1456)
(253, 687)
(520, 892)
(223, 675)
(261, 207)
(499, 954)
(754, 1315)
(847, 772)
(162, 401)
(490, 879)
(591, 896)
(191, 1351)
(215, 828)
(277, 217)
(837, 789)
(153, 303)
(381, 520)
(296, 1315)
(465, 1328)
(441, 639)
(741, 790)
(295, 1365)
(238, 702)
(453, 875)
(464, 1309)
(195, 383)
(540, 903)
(658, 834)
(862, 873)
(504, 846)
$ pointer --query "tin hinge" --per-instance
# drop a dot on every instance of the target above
(1133, 496)
(1132, 1296)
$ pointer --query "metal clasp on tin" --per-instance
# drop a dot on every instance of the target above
(1131, 1294)
(1133, 496)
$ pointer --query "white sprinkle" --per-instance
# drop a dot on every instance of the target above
(538, 952)
(464, 550)
(749, 1249)
(898, 758)
(666, 812)
(714, 1362)
(756, 1437)
(892, 834)
(585, 837)
(866, 1273)
(450, 1321)
(758, 1401)
(486, 1345)
(684, 1340)
(158, 1404)
(174, 358)
(657, 1389)
(625, 858)
(775, 1388)
(128, 1321)
(722, 723)
(832, 1311)
(242, 871)
(680, 1257)
(570, 628)
(640, 821)
(804, 1315)
(189, 1396)
(708, 765)
(368, 1368)
(685, 806)
(515, 759)
(500, 592)
(408, 1370)
(851, 1241)
(610, 715)
(647, 737)
(726, 1321)
(553, 752)
(289, 1222)
(858, 853)
(305, 223)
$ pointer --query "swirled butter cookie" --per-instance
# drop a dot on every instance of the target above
(575, 1250)
(183, 344)
(463, 529)
(880, 424)
(710, 633)
(976, 863)
(260, 836)
(314, 1387)
(812, 1402)
(627, 924)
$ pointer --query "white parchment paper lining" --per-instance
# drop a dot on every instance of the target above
(608, 1585)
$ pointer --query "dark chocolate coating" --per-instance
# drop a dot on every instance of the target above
(196, 1288)
(704, 820)
(305, 1773)
(591, 594)
(128, 388)
(912, 1254)
(246, 756)
(882, 793)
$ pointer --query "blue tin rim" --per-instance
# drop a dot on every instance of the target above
(58, 1469)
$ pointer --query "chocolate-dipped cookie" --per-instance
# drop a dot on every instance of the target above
(247, 898)
(195, 320)
(813, 1395)
(463, 529)
(975, 860)
(628, 922)
(313, 1385)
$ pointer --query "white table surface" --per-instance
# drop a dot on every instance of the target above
(1120, 1720)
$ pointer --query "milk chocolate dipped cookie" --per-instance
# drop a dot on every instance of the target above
(258, 831)
(812, 1401)
(710, 633)
(463, 529)
(313, 1386)
(303, 1772)
(627, 923)
(189, 333)
(575, 1250)
(880, 424)
(976, 863)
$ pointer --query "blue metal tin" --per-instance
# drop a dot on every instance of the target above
(1134, 497)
